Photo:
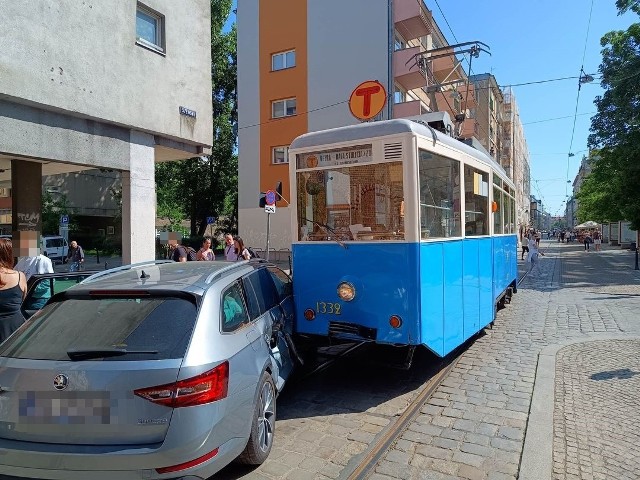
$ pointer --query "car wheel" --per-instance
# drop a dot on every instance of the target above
(263, 425)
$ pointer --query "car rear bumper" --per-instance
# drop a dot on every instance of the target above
(110, 466)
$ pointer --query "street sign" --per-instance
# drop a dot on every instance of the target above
(270, 197)
(270, 208)
(367, 100)
(211, 220)
(64, 219)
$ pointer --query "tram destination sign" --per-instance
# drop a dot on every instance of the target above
(332, 158)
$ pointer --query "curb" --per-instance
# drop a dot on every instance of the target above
(537, 454)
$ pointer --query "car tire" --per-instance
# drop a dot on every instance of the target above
(263, 424)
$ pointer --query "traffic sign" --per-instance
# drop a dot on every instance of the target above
(270, 208)
(270, 197)
(367, 100)
(64, 219)
(211, 220)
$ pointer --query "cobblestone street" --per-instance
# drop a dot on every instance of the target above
(581, 305)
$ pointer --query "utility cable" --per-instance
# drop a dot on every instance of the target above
(575, 116)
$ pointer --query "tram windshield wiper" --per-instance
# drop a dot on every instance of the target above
(330, 230)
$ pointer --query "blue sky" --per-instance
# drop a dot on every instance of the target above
(540, 40)
(530, 41)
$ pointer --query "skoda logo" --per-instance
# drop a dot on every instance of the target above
(60, 382)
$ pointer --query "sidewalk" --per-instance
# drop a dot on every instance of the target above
(550, 392)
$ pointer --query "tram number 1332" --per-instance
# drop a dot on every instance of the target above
(328, 308)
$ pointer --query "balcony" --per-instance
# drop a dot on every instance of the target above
(411, 18)
(409, 109)
(467, 101)
(443, 66)
(405, 68)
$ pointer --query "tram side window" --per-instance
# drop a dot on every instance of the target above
(439, 196)
(510, 215)
(476, 190)
(498, 221)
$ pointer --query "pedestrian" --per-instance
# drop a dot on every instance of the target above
(205, 253)
(597, 240)
(532, 258)
(242, 253)
(182, 253)
(75, 256)
(13, 289)
(37, 265)
(537, 237)
(230, 248)
(587, 242)
(525, 247)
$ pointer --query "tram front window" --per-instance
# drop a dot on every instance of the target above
(476, 194)
(439, 196)
(360, 202)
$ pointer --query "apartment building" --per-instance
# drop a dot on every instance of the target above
(299, 79)
(114, 85)
(514, 156)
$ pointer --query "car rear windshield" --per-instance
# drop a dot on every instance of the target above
(153, 328)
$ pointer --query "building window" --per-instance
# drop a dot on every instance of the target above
(111, 230)
(149, 28)
(279, 155)
(280, 61)
(283, 108)
(399, 43)
(399, 95)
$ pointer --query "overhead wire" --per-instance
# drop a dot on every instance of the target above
(575, 116)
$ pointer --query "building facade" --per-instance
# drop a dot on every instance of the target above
(116, 85)
(514, 156)
(299, 79)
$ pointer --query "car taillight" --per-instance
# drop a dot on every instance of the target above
(192, 463)
(204, 388)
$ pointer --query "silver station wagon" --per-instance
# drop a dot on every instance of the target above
(152, 371)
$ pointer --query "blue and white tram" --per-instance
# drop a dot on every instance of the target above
(402, 235)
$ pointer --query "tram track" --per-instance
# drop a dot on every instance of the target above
(367, 462)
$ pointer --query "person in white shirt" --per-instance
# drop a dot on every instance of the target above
(230, 248)
(36, 265)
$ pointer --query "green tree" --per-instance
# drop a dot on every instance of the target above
(207, 186)
(52, 208)
(611, 191)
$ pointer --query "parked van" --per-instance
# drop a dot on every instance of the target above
(55, 247)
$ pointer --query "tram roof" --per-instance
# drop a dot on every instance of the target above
(383, 128)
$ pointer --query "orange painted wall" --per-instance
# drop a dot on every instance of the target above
(283, 26)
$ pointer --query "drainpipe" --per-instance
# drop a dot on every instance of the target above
(391, 41)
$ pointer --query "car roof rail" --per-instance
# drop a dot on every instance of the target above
(124, 268)
(219, 273)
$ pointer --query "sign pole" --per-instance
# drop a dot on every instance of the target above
(268, 226)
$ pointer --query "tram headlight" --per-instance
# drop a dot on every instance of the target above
(346, 291)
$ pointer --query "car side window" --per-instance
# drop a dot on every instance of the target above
(234, 311)
(264, 289)
(252, 300)
(282, 282)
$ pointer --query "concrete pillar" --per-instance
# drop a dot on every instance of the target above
(139, 201)
(26, 207)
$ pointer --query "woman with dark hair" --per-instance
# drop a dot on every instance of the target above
(13, 288)
(241, 250)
